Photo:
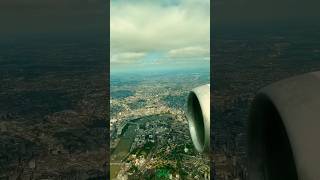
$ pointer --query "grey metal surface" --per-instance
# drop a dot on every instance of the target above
(284, 130)
(198, 115)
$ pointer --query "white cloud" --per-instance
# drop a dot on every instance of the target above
(127, 57)
(192, 52)
(158, 26)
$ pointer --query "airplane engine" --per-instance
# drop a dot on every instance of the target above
(284, 130)
(198, 115)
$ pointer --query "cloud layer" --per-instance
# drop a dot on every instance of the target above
(176, 29)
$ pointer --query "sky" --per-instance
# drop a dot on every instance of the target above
(265, 11)
(52, 16)
(148, 34)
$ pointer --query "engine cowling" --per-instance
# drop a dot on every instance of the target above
(284, 130)
(198, 115)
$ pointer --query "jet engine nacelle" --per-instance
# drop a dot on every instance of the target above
(284, 130)
(198, 115)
